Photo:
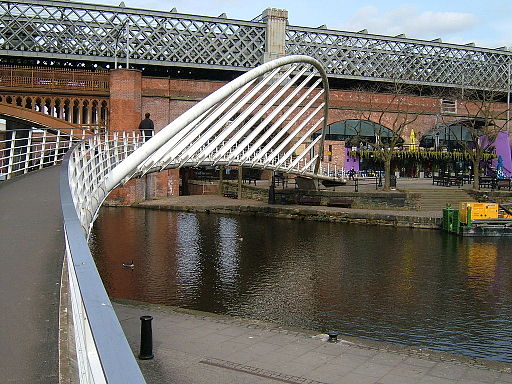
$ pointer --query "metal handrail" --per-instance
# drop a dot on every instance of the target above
(101, 162)
(25, 150)
(103, 353)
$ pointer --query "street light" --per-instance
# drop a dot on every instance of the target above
(126, 24)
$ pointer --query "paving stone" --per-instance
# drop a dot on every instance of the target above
(313, 359)
(372, 369)
(448, 371)
(334, 349)
(420, 362)
(261, 348)
(295, 349)
(354, 378)
(388, 359)
(351, 360)
(266, 355)
(394, 379)
(334, 368)
(480, 375)
(438, 380)
(409, 371)
(362, 351)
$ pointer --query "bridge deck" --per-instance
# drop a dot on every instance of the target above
(31, 253)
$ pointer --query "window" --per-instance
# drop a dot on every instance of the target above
(448, 106)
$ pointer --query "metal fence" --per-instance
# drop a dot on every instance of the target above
(22, 151)
(54, 78)
(103, 353)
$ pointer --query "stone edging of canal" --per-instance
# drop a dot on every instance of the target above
(222, 205)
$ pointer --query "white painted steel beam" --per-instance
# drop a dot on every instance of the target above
(208, 140)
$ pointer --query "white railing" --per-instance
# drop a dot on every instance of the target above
(103, 354)
(25, 150)
(258, 120)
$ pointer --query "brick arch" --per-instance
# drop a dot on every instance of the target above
(37, 118)
(88, 111)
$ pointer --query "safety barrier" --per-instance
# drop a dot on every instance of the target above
(25, 150)
(103, 354)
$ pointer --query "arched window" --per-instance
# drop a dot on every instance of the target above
(354, 132)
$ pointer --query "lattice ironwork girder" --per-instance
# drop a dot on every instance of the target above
(75, 31)
(100, 32)
(366, 57)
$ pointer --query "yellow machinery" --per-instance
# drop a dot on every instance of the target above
(478, 219)
(477, 211)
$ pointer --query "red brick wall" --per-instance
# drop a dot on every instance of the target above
(133, 191)
(335, 157)
(125, 99)
(132, 95)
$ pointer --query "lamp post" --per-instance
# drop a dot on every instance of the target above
(127, 25)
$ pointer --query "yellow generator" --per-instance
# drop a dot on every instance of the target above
(477, 211)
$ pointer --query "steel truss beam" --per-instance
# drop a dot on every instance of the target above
(370, 57)
(64, 30)
(68, 31)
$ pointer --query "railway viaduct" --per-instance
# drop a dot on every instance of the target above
(65, 65)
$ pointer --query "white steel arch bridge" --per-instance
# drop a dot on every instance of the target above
(263, 119)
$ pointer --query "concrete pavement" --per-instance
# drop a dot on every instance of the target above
(192, 347)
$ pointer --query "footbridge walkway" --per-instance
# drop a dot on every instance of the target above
(32, 251)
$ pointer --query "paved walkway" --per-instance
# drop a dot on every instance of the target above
(220, 204)
(215, 201)
(191, 347)
(31, 254)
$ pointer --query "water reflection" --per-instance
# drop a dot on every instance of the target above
(414, 287)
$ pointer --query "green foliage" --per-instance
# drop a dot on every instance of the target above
(420, 155)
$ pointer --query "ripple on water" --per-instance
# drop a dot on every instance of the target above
(414, 287)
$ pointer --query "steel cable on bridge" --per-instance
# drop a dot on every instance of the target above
(263, 119)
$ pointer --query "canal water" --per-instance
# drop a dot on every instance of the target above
(414, 287)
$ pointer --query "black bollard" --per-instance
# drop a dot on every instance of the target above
(146, 338)
(333, 337)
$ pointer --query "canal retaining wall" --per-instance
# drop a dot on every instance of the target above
(362, 200)
(221, 205)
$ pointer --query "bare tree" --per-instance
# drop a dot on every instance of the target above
(484, 118)
(390, 119)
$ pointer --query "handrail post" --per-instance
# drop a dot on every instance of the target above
(57, 145)
(11, 155)
(43, 148)
(28, 152)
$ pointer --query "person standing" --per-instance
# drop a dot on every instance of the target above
(147, 127)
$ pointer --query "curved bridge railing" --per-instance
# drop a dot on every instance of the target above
(263, 119)
(26, 150)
